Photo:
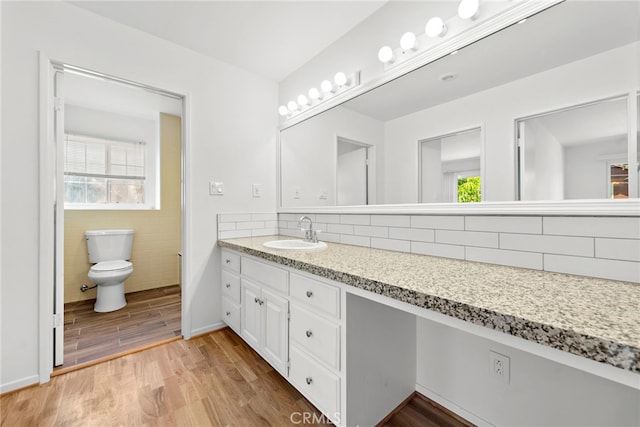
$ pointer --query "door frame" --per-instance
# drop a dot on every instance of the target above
(370, 196)
(48, 198)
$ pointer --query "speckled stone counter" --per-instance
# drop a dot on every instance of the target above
(594, 318)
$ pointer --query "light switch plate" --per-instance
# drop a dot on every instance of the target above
(256, 190)
(216, 188)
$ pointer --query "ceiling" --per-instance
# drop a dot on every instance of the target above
(269, 38)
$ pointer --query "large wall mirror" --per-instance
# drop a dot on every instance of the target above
(546, 109)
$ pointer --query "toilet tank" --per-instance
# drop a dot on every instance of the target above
(109, 245)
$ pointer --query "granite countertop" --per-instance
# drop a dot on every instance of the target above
(594, 318)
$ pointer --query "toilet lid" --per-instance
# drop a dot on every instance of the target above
(111, 265)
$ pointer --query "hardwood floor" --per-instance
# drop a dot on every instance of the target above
(149, 317)
(211, 380)
(420, 411)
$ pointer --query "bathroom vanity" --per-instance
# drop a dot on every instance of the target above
(341, 324)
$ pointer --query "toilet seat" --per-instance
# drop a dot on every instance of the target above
(111, 266)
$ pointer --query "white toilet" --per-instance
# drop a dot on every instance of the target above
(109, 251)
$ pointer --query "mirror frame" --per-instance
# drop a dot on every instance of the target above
(496, 22)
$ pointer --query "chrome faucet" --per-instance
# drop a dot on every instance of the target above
(310, 233)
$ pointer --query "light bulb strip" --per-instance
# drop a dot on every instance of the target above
(328, 89)
(435, 29)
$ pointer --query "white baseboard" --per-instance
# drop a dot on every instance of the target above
(480, 422)
(17, 384)
(206, 329)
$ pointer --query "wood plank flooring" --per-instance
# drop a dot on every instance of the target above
(423, 412)
(149, 317)
(211, 380)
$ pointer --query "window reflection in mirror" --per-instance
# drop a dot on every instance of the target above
(450, 168)
(578, 152)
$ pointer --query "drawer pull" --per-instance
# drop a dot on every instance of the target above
(261, 301)
(309, 380)
(256, 300)
(228, 313)
(228, 285)
(309, 333)
(228, 261)
(309, 294)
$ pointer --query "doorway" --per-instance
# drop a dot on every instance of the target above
(118, 149)
(353, 172)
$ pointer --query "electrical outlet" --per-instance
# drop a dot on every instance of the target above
(323, 195)
(296, 193)
(499, 366)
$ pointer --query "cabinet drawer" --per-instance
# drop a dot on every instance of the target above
(231, 286)
(231, 314)
(318, 384)
(319, 295)
(230, 261)
(319, 337)
(274, 277)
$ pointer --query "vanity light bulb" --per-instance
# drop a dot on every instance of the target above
(327, 86)
(468, 9)
(408, 41)
(283, 110)
(292, 106)
(302, 100)
(314, 94)
(435, 27)
(341, 79)
(385, 55)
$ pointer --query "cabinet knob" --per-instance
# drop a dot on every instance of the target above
(228, 285)
(228, 313)
(256, 300)
(309, 333)
(309, 294)
(260, 301)
(309, 380)
(228, 261)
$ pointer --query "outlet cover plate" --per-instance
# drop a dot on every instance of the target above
(499, 366)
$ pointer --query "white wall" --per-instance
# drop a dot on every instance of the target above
(455, 365)
(308, 153)
(611, 73)
(543, 169)
(231, 138)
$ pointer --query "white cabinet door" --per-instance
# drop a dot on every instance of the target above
(275, 329)
(251, 313)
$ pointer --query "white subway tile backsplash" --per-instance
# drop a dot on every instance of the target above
(435, 249)
(355, 240)
(415, 234)
(622, 249)
(391, 244)
(340, 228)
(438, 222)
(249, 225)
(391, 220)
(226, 226)
(562, 245)
(368, 230)
(625, 228)
(234, 217)
(328, 218)
(233, 234)
(505, 224)
(467, 238)
(355, 219)
(264, 232)
(329, 237)
(271, 224)
(264, 216)
(498, 256)
(594, 267)
(295, 216)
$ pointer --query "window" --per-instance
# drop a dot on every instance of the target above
(619, 181)
(103, 171)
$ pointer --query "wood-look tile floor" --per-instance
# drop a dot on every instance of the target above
(149, 317)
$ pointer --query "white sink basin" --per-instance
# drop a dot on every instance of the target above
(298, 245)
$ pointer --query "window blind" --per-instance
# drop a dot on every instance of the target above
(104, 158)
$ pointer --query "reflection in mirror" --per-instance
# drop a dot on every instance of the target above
(352, 172)
(575, 153)
(450, 168)
(553, 60)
